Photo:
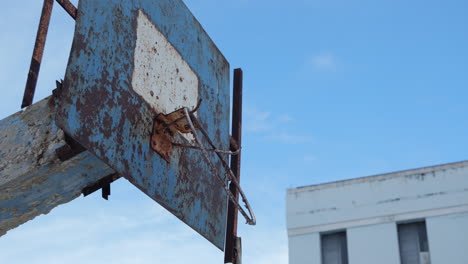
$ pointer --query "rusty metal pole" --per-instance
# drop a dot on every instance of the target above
(69, 7)
(37, 53)
(230, 253)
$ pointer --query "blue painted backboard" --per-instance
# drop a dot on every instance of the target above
(132, 60)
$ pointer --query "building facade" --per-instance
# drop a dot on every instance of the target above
(416, 216)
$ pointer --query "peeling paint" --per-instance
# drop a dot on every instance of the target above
(33, 180)
(111, 95)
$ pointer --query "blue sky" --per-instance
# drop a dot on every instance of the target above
(333, 90)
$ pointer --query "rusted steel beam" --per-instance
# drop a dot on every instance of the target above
(69, 7)
(230, 254)
(37, 53)
(33, 178)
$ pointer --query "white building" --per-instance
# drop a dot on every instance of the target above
(409, 217)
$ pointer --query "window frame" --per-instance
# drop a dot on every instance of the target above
(343, 237)
(422, 239)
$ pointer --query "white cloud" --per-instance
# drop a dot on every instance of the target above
(309, 158)
(136, 232)
(290, 138)
(325, 61)
(273, 127)
(285, 118)
(257, 121)
(266, 246)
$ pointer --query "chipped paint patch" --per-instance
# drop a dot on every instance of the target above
(33, 180)
(108, 111)
(161, 76)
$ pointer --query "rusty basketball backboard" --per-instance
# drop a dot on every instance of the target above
(132, 60)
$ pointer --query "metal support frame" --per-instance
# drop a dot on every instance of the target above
(39, 45)
(37, 53)
(71, 148)
(103, 184)
(232, 246)
(33, 177)
(69, 7)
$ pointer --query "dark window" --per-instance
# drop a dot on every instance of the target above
(414, 248)
(334, 248)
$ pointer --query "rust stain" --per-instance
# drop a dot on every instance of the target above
(164, 129)
(100, 110)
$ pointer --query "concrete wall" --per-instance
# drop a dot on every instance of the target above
(368, 244)
(373, 244)
(448, 238)
(447, 235)
(305, 249)
(370, 208)
(392, 197)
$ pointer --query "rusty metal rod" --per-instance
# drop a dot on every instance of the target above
(230, 255)
(69, 7)
(210, 150)
(250, 219)
(37, 53)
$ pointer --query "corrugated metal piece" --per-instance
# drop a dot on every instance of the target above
(130, 61)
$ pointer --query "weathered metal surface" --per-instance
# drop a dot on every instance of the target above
(37, 53)
(161, 138)
(133, 60)
(164, 129)
(33, 180)
(71, 149)
(69, 7)
(231, 254)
